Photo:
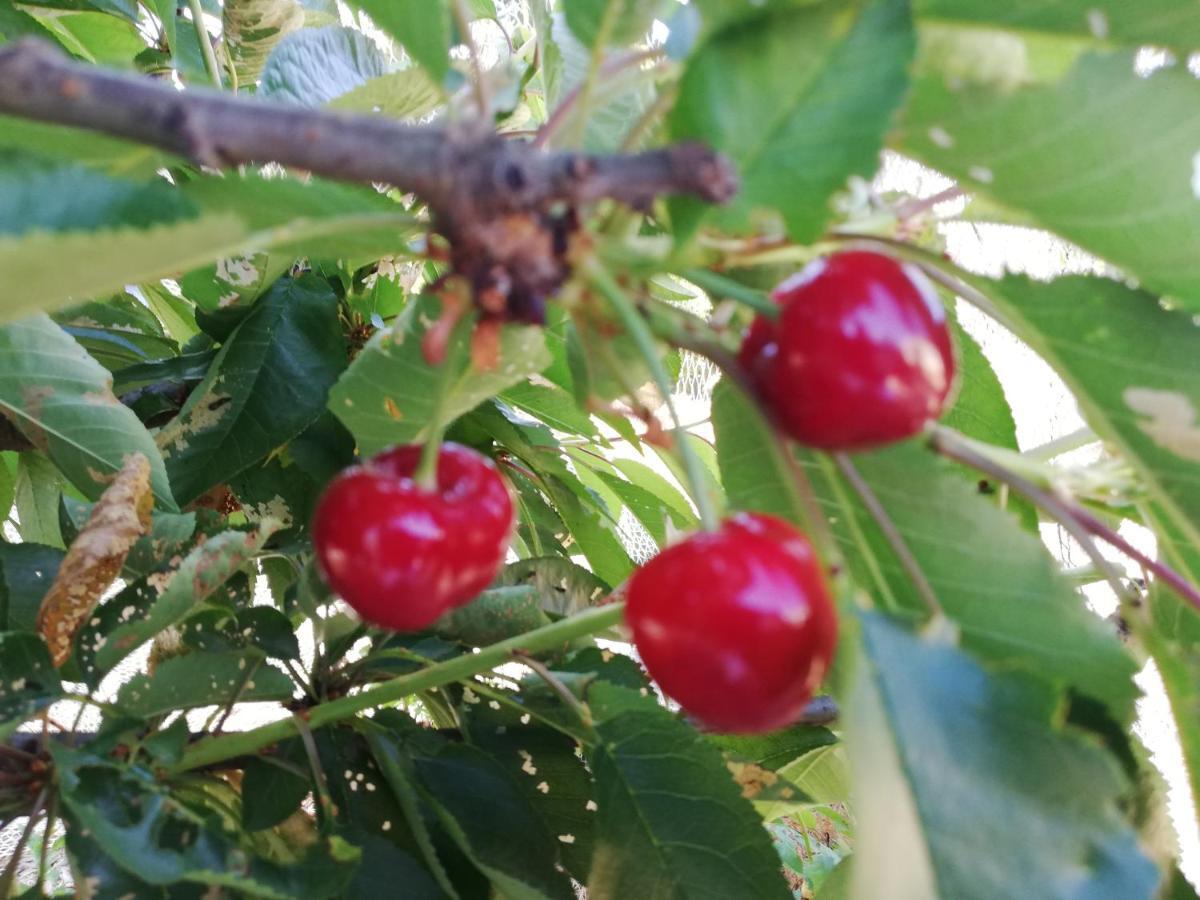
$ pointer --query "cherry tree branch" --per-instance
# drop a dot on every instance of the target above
(443, 165)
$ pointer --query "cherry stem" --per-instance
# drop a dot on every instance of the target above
(643, 339)
(206, 48)
(462, 19)
(1079, 523)
(555, 635)
(892, 534)
(425, 475)
(580, 708)
(10, 870)
(720, 286)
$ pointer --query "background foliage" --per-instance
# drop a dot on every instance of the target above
(249, 332)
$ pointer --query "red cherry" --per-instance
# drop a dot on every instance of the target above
(735, 624)
(402, 555)
(860, 355)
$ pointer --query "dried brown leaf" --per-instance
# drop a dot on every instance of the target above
(95, 557)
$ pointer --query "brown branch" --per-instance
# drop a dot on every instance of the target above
(506, 207)
(441, 165)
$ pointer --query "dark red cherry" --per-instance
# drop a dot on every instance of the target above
(401, 555)
(736, 625)
(860, 355)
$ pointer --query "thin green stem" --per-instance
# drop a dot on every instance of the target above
(206, 48)
(950, 444)
(426, 473)
(1081, 437)
(892, 534)
(10, 870)
(462, 18)
(643, 339)
(557, 634)
(719, 286)
(576, 705)
(608, 21)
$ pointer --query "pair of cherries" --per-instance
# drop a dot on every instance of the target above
(735, 624)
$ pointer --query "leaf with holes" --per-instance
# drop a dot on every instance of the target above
(28, 682)
(671, 821)
(267, 384)
(199, 575)
(388, 394)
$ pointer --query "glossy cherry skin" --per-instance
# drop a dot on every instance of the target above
(402, 555)
(736, 625)
(860, 355)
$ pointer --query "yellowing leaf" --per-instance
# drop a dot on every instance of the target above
(95, 557)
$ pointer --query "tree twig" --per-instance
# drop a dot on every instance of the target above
(948, 443)
(507, 208)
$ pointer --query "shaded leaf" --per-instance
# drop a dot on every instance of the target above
(36, 491)
(202, 679)
(480, 807)
(28, 682)
(26, 573)
(267, 384)
(671, 821)
(62, 400)
(317, 65)
(948, 759)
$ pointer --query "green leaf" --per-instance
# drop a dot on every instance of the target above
(37, 491)
(552, 405)
(202, 679)
(421, 26)
(482, 809)
(149, 833)
(388, 394)
(626, 21)
(62, 400)
(996, 582)
(754, 470)
(1046, 148)
(1163, 23)
(107, 259)
(252, 29)
(272, 790)
(495, 615)
(563, 587)
(26, 573)
(544, 764)
(36, 195)
(28, 682)
(1132, 366)
(671, 821)
(199, 575)
(290, 219)
(317, 65)
(800, 100)
(777, 749)
(408, 94)
(267, 384)
(170, 534)
(117, 333)
(955, 764)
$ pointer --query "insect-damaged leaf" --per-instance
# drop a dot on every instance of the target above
(96, 555)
